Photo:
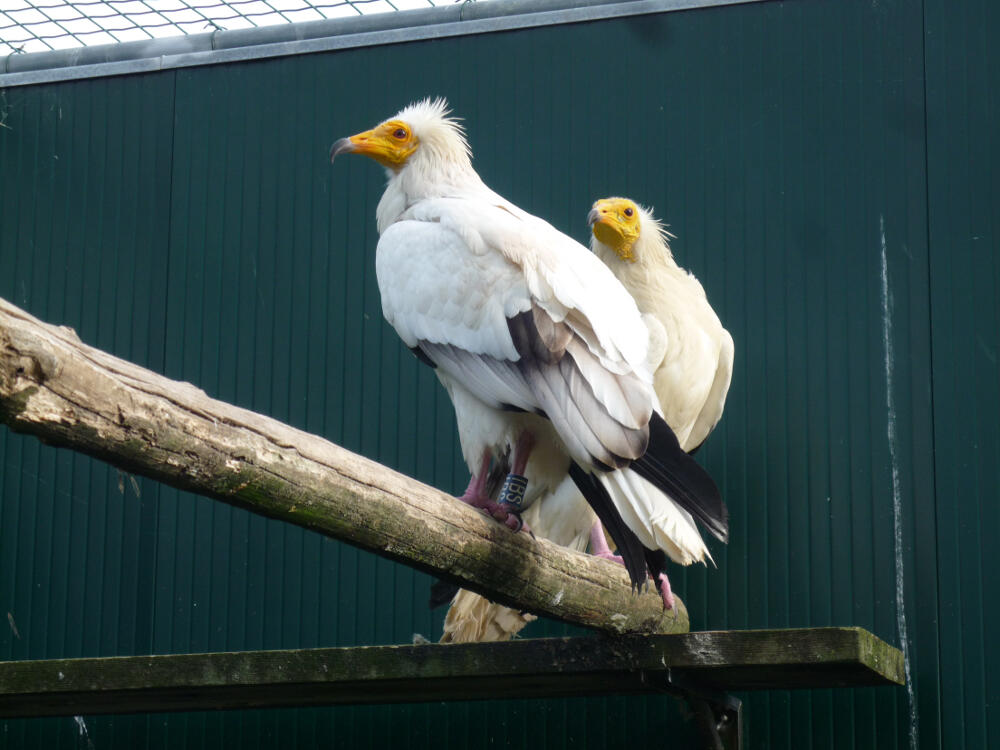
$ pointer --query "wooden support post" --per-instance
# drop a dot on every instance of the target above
(699, 666)
(69, 394)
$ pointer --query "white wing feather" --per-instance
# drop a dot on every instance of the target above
(453, 273)
(437, 288)
(554, 271)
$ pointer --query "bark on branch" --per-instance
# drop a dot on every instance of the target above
(69, 394)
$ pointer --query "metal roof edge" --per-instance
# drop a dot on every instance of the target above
(319, 36)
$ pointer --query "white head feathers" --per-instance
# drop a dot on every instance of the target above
(435, 130)
(440, 165)
(654, 229)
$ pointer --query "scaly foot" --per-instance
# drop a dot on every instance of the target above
(509, 514)
(599, 548)
(475, 499)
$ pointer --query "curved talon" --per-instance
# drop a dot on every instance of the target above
(504, 512)
(599, 548)
(514, 511)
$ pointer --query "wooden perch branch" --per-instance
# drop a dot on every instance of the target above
(69, 394)
(527, 668)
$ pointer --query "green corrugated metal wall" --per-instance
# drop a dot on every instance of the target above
(963, 177)
(831, 172)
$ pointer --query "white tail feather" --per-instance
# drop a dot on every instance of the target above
(656, 519)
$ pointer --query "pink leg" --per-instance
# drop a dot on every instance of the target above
(599, 544)
(665, 593)
(475, 493)
(522, 451)
(509, 513)
(599, 548)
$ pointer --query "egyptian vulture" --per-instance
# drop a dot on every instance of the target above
(542, 351)
(693, 373)
(693, 366)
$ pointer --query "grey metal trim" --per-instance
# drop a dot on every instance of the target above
(321, 36)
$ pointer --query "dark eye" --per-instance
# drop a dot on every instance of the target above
(629, 212)
(400, 133)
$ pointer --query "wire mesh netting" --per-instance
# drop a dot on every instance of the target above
(39, 25)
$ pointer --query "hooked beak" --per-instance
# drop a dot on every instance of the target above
(378, 144)
(343, 146)
(593, 217)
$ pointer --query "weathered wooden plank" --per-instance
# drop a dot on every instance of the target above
(634, 664)
(69, 394)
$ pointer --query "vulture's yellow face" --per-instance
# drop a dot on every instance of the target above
(615, 223)
(390, 144)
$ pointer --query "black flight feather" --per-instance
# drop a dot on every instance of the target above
(656, 562)
(673, 471)
(628, 544)
(422, 356)
(442, 592)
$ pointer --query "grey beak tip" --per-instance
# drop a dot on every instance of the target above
(339, 147)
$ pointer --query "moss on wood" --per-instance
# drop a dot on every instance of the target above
(726, 660)
(78, 397)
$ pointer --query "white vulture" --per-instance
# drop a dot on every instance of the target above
(543, 352)
(692, 356)
(693, 374)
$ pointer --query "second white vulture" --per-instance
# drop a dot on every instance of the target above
(543, 352)
(694, 352)
(692, 357)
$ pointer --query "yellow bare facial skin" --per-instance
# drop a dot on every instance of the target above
(390, 144)
(616, 224)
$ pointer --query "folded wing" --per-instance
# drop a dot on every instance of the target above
(527, 320)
